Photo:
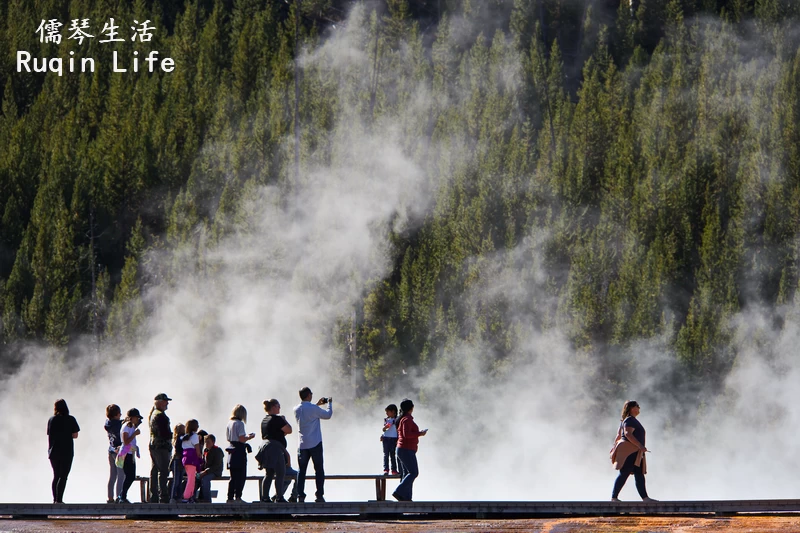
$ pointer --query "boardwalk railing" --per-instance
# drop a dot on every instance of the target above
(380, 483)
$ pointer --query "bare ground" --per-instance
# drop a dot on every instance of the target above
(753, 524)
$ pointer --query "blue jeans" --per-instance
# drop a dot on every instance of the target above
(389, 447)
(303, 456)
(410, 469)
(291, 475)
(205, 487)
(177, 479)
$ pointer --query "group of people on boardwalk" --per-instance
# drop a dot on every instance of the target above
(194, 459)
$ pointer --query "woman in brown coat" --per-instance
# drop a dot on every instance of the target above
(628, 452)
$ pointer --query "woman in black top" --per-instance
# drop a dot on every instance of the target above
(632, 431)
(62, 429)
(277, 462)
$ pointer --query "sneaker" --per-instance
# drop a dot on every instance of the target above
(385, 472)
(319, 499)
(395, 473)
(292, 499)
(240, 500)
(122, 500)
(111, 500)
(173, 500)
(615, 499)
(230, 501)
(649, 500)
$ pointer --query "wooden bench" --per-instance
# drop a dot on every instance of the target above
(380, 483)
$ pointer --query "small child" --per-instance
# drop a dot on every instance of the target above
(176, 464)
(116, 476)
(389, 440)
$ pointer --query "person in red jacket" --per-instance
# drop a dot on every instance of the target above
(408, 435)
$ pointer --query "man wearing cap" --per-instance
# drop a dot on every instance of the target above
(160, 449)
(308, 416)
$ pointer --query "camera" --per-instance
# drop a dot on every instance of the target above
(324, 399)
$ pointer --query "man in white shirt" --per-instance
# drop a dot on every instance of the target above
(308, 416)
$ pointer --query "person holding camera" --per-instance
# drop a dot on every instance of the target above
(308, 416)
(128, 451)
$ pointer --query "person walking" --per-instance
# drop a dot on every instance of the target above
(160, 449)
(62, 430)
(116, 476)
(308, 416)
(408, 435)
(237, 460)
(129, 451)
(628, 452)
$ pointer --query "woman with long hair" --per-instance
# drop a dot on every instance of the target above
(176, 463)
(408, 435)
(237, 458)
(628, 452)
(62, 430)
(192, 454)
(116, 476)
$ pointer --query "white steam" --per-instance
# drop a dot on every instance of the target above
(258, 325)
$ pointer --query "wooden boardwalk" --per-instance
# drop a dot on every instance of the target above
(395, 510)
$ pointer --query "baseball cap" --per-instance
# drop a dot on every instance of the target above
(163, 396)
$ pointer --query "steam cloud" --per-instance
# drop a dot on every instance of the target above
(258, 326)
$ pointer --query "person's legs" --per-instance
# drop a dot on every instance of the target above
(399, 463)
(163, 456)
(266, 483)
(389, 446)
(624, 472)
(242, 480)
(130, 476)
(112, 475)
(177, 479)
(121, 477)
(55, 464)
(205, 487)
(232, 484)
(408, 460)
(153, 476)
(280, 473)
(191, 472)
(319, 469)
(289, 476)
(65, 465)
(638, 476)
(392, 452)
(303, 457)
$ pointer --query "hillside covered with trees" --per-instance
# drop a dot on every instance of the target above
(634, 166)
